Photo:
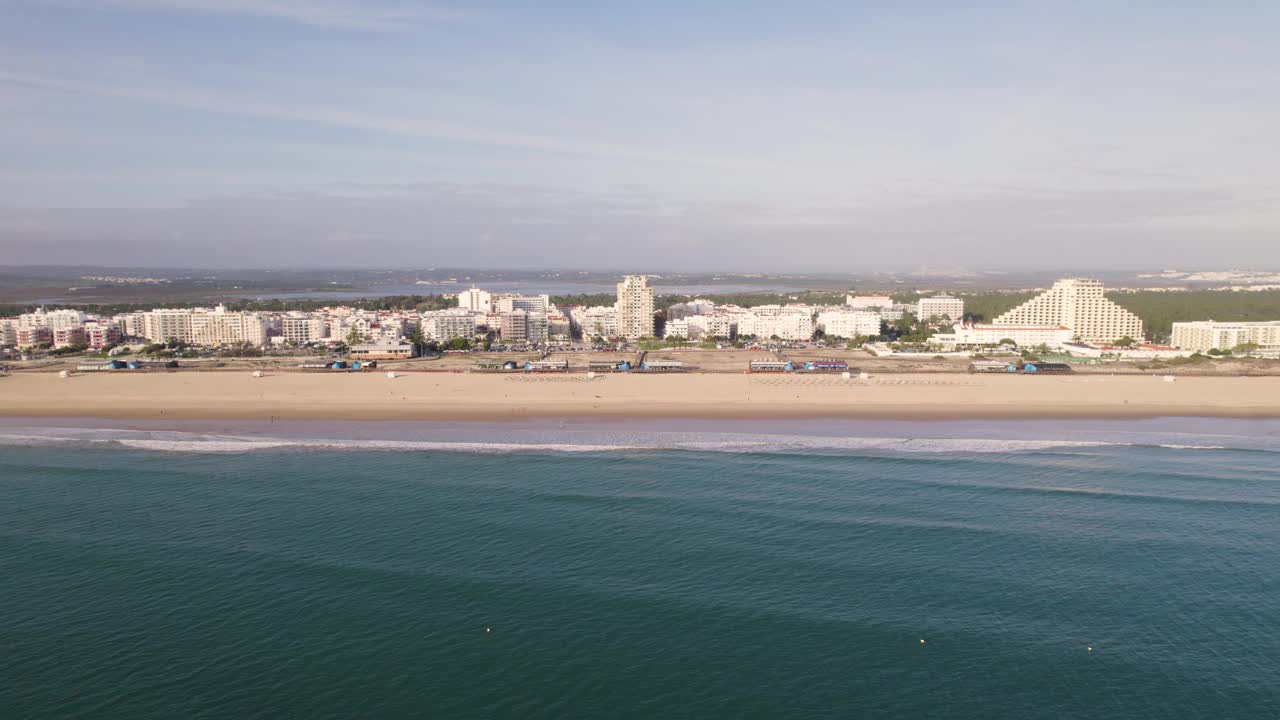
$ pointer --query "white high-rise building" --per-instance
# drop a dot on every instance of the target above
(635, 307)
(945, 308)
(1079, 305)
(1206, 335)
(475, 300)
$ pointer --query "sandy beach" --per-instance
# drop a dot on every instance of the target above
(446, 396)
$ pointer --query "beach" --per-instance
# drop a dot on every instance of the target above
(474, 396)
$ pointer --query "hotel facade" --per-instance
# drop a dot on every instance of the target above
(1079, 305)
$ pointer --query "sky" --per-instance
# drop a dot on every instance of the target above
(699, 136)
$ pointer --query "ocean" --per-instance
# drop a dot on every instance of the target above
(613, 569)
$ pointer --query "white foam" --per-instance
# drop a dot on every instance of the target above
(563, 442)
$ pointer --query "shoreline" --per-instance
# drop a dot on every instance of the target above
(474, 397)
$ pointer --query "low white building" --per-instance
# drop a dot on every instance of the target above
(847, 323)
(969, 336)
(1206, 335)
(383, 351)
(676, 329)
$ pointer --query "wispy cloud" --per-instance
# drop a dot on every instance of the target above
(350, 14)
(407, 126)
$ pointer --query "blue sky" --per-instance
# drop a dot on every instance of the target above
(716, 135)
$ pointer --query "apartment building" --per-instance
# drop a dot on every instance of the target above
(300, 329)
(849, 323)
(8, 332)
(101, 333)
(1206, 335)
(635, 307)
(445, 325)
(868, 302)
(475, 300)
(590, 322)
(717, 324)
(1079, 305)
(204, 326)
(786, 322)
(528, 303)
(521, 326)
(941, 308)
(676, 329)
(52, 319)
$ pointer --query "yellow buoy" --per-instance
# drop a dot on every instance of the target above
(1090, 648)
(921, 641)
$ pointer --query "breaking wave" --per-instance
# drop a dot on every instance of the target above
(570, 442)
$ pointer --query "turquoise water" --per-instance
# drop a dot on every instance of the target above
(282, 578)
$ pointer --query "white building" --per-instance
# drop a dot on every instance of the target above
(971, 336)
(385, 350)
(944, 308)
(676, 329)
(132, 325)
(785, 322)
(717, 324)
(1077, 304)
(475, 300)
(1206, 335)
(597, 321)
(868, 302)
(300, 329)
(52, 319)
(635, 307)
(840, 322)
(446, 325)
(164, 325)
(225, 327)
(203, 326)
(528, 303)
